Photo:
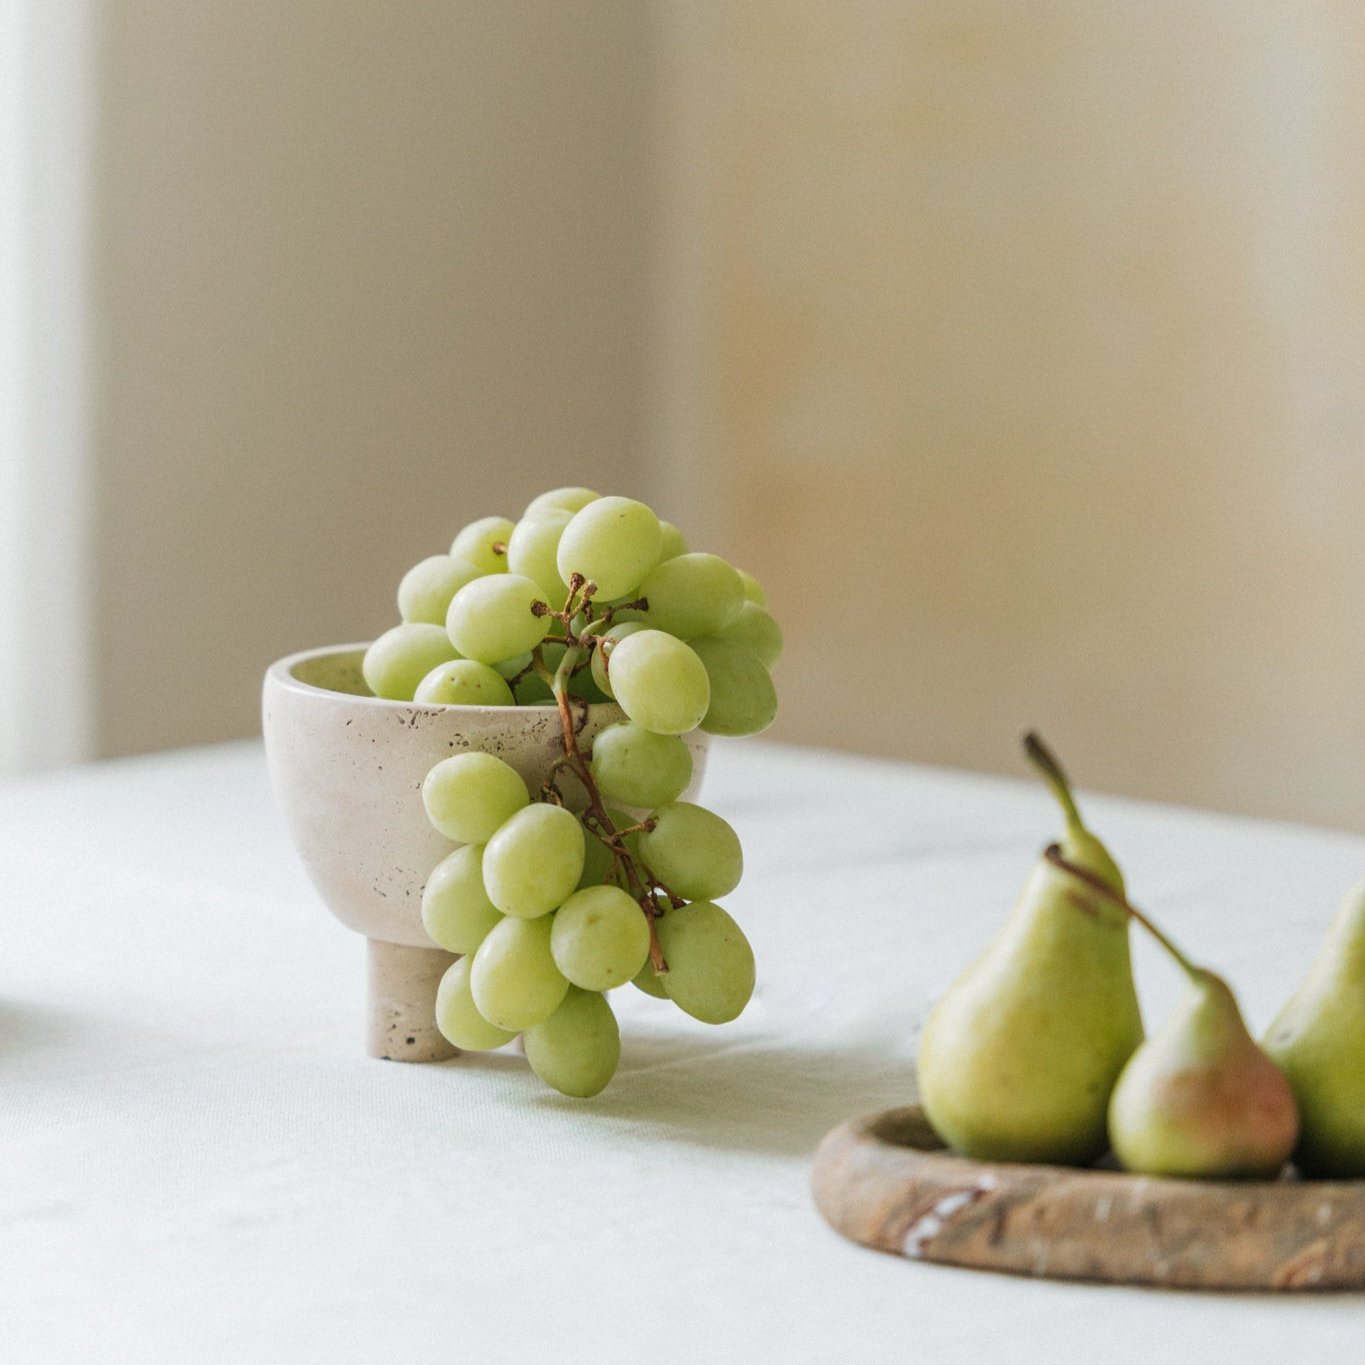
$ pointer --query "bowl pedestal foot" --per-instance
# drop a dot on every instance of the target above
(402, 1003)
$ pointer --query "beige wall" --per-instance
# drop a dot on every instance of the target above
(1024, 347)
(1018, 348)
(361, 273)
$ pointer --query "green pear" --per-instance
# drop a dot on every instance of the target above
(1199, 1098)
(1318, 1039)
(1019, 1056)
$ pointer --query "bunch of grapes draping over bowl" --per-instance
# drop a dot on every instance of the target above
(605, 876)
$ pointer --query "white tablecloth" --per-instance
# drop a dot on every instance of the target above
(198, 1164)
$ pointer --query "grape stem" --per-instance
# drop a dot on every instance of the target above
(675, 900)
(644, 888)
(640, 604)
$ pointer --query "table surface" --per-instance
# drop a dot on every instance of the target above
(200, 1165)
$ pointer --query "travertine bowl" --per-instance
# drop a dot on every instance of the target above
(347, 769)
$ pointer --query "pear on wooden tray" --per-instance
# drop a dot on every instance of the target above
(1199, 1098)
(1019, 1056)
(1318, 1039)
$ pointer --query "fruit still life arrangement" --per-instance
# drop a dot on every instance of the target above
(1037, 1054)
(1053, 1137)
(499, 793)
(604, 876)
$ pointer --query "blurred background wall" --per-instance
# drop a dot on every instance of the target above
(1026, 360)
(362, 272)
(1017, 349)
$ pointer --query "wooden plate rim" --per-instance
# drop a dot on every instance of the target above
(885, 1181)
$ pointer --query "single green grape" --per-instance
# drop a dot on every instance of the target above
(659, 681)
(710, 963)
(532, 549)
(534, 861)
(743, 700)
(693, 594)
(599, 938)
(470, 796)
(578, 1048)
(622, 610)
(456, 911)
(462, 682)
(613, 542)
(582, 684)
(602, 651)
(692, 851)
(514, 981)
(672, 543)
(479, 543)
(458, 1017)
(620, 820)
(427, 587)
(753, 590)
(755, 628)
(649, 981)
(494, 618)
(560, 499)
(598, 862)
(509, 668)
(400, 658)
(533, 690)
(638, 767)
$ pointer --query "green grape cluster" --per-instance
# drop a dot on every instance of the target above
(606, 876)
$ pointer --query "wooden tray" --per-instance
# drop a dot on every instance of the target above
(886, 1181)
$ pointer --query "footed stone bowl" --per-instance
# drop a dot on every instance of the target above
(347, 770)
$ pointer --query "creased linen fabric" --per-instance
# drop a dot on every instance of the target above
(198, 1163)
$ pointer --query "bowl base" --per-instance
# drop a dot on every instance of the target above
(402, 1003)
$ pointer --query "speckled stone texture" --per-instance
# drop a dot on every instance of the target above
(347, 770)
(886, 1181)
(401, 1024)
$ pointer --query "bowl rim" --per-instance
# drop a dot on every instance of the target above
(281, 674)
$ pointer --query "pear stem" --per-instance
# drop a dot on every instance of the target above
(1045, 761)
(1053, 854)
